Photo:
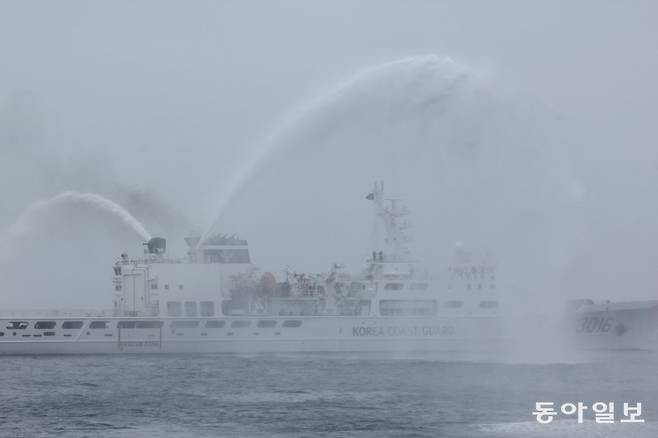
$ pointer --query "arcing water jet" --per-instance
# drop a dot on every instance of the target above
(399, 88)
(24, 222)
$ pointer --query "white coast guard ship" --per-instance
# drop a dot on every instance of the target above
(215, 300)
(614, 325)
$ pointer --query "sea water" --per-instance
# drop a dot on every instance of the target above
(328, 395)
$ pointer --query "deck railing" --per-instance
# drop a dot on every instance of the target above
(55, 313)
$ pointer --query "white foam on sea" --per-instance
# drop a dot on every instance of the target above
(568, 428)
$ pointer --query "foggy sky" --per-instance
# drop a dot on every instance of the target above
(155, 104)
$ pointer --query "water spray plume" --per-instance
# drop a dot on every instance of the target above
(23, 224)
(402, 86)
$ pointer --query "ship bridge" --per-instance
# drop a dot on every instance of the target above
(222, 248)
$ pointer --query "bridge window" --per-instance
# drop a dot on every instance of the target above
(418, 286)
(292, 323)
(190, 309)
(72, 325)
(184, 324)
(394, 286)
(407, 307)
(234, 255)
(139, 324)
(207, 308)
(357, 287)
(489, 304)
(363, 307)
(17, 325)
(44, 325)
(174, 308)
(454, 304)
(148, 324)
(215, 323)
(98, 324)
(242, 323)
(266, 323)
(49, 333)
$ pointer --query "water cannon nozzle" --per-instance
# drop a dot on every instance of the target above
(157, 245)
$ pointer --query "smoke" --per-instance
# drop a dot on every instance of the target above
(39, 210)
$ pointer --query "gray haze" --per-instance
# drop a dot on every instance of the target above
(535, 142)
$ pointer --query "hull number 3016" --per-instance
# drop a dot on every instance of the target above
(595, 324)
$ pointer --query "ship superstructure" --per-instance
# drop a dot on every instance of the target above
(215, 300)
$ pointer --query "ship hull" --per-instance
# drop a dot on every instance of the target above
(620, 326)
(623, 325)
(255, 335)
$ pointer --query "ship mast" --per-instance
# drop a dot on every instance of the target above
(395, 247)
